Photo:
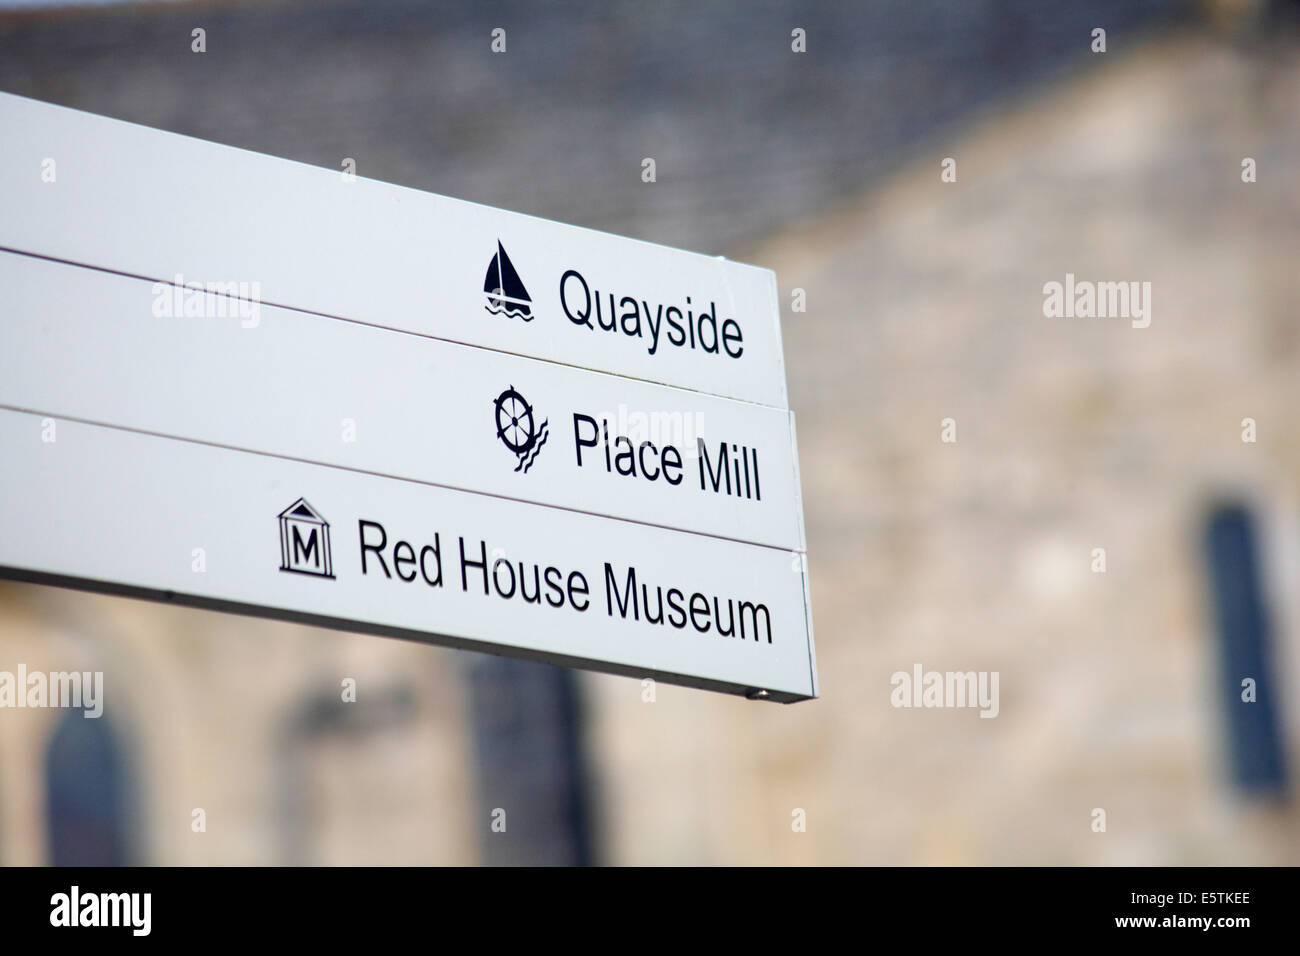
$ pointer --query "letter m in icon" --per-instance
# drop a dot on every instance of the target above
(305, 541)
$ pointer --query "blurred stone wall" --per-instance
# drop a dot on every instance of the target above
(924, 302)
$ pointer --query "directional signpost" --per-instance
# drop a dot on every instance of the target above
(240, 383)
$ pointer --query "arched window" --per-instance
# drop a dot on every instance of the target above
(87, 789)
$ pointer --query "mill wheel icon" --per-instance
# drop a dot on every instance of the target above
(515, 425)
(518, 429)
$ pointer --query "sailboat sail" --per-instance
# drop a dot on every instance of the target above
(505, 290)
(492, 281)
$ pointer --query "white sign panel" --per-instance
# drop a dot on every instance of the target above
(138, 514)
(158, 205)
(83, 344)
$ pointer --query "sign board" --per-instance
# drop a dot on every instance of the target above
(158, 205)
(296, 410)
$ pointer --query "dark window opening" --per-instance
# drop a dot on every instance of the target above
(86, 786)
(1254, 734)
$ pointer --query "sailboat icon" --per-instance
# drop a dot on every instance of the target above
(505, 290)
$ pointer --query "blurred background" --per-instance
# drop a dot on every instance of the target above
(1121, 689)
